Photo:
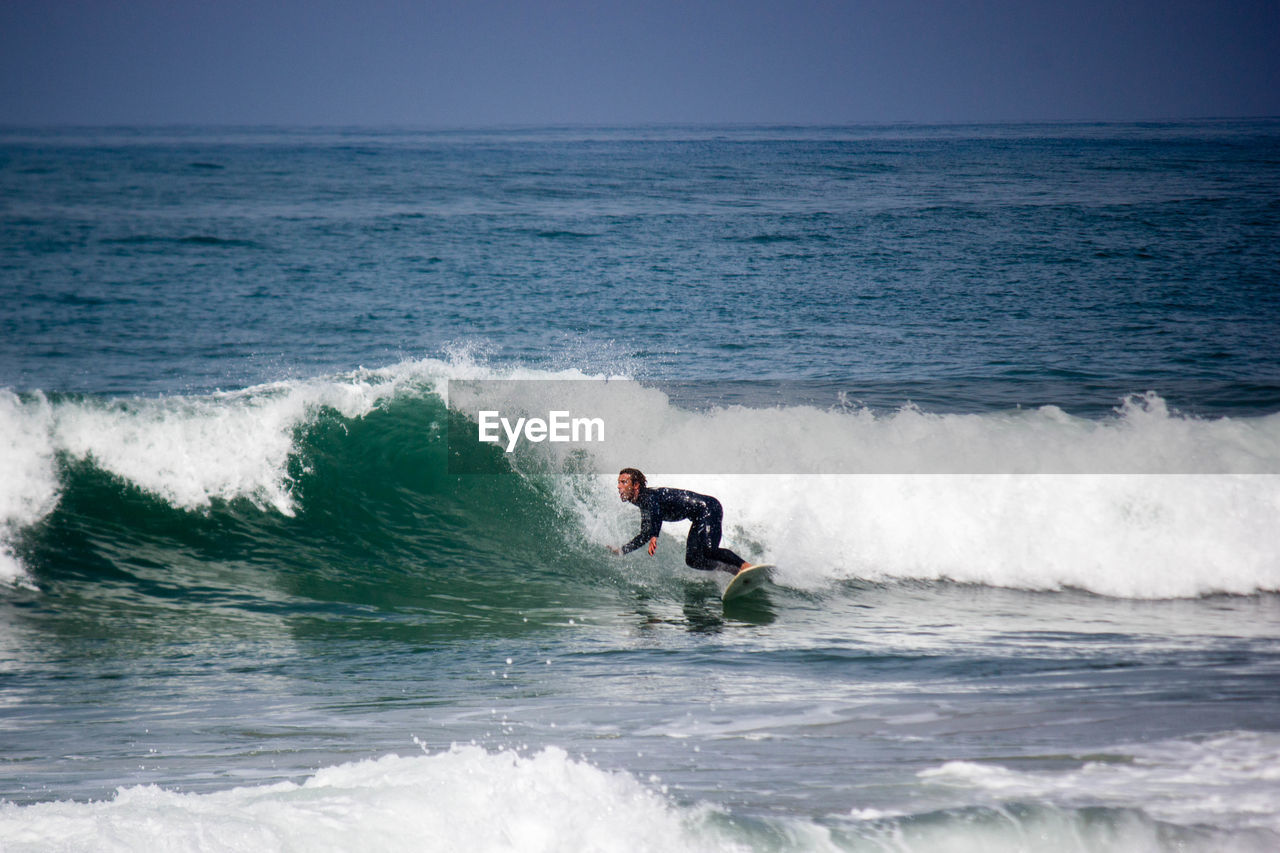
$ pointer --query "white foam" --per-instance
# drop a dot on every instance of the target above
(1230, 781)
(470, 799)
(1147, 504)
(463, 799)
(1143, 437)
(28, 481)
(1132, 536)
(190, 450)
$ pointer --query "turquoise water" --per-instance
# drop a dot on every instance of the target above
(1016, 461)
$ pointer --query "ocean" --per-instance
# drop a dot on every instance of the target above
(1002, 403)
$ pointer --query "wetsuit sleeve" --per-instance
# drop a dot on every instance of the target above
(650, 525)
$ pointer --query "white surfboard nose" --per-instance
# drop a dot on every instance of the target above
(747, 580)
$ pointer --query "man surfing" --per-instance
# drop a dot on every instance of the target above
(702, 551)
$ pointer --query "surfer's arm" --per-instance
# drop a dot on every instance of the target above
(641, 539)
(650, 527)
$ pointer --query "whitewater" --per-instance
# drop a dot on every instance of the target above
(1146, 503)
(465, 798)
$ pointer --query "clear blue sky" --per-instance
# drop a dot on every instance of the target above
(441, 63)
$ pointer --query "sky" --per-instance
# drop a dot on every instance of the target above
(481, 63)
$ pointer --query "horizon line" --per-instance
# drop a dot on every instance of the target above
(591, 125)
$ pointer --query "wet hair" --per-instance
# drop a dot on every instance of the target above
(635, 475)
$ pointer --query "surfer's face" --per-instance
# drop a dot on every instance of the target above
(627, 490)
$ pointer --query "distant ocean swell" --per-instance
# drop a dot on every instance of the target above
(357, 463)
(469, 798)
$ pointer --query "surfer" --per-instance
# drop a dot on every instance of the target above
(702, 551)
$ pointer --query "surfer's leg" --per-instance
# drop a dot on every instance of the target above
(703, 550)
(696, 548)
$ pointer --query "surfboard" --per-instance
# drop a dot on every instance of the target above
(747, 581)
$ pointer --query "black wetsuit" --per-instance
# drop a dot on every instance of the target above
(703, 550)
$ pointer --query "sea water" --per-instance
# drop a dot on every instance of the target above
(1002, 403)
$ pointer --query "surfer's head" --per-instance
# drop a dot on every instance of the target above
(630, 484)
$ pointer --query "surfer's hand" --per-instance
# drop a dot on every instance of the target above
(653, 545)
(613, 549)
